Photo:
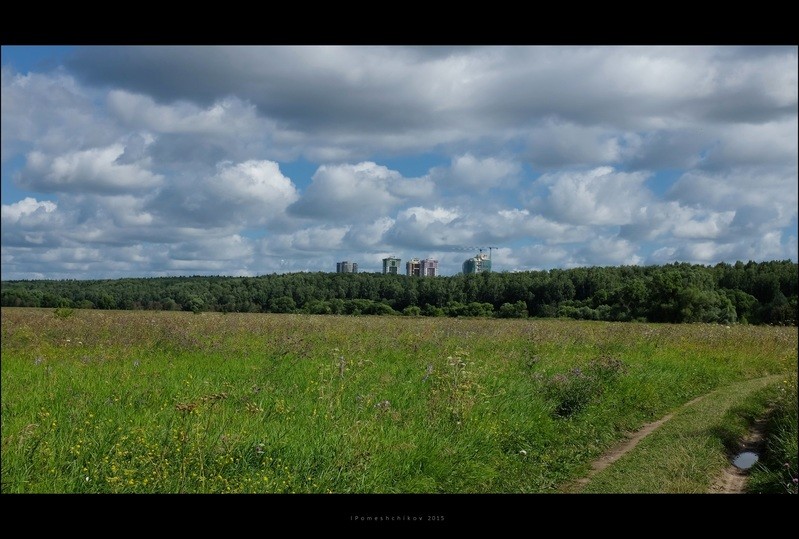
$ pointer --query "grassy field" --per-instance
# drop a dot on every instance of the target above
(142, 401)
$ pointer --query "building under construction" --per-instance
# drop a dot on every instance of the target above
(391, 265)
(480, 263)
(429, 268)
(421, 268)
(413, 267)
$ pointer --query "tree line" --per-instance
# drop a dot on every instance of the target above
(752, 292)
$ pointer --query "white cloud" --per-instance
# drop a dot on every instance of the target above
(520, 223)
(95, 170)
(431, 227)
(348, 192)
(557, 143)
(47, 111)
(304, 242)
(426, 216)
(600, 196)
(223, 248)
(468, 172)
(774, 190)
(368, 235)
(771, 143)
(256, 186)
(225, 116)
(318, 238)
(29, 208)
(537, 257)
(609, 251)
(713, 226)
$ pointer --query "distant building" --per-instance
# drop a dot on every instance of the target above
(391, 265)
(413, 267)
(477, 264)
(346, 267)
(429, 267)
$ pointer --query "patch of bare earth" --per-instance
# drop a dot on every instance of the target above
(732, 479)
(620, 450)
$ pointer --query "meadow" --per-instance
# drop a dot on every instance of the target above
(174, 402)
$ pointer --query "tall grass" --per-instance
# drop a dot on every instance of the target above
(777, 471)
(133, 401)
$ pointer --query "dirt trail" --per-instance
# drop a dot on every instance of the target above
(733, 480)
(623, 448)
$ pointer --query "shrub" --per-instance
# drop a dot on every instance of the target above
(64, 312)
(513, 310)
(573, 390)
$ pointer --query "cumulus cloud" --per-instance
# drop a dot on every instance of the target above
(226, 116)
(223, 248)
(349, 192)
(601, 196)
(250, 193)
(773, 189)
(29, 208)
(431, 227)
(557, 143)
(95, 170)
(537, 257)
(771, 143)
(608, 251)
(46, 111)
(469, 172)
(369, 235)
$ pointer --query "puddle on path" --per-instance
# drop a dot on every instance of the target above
(745, 460)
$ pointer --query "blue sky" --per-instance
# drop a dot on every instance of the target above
(184, 160)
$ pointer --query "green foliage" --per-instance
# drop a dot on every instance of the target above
(283, 304)
(752, 293)
(194, 304)
(513, 310)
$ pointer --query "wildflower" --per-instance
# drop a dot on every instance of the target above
(136, 363)
(38, 361)
(428, 373)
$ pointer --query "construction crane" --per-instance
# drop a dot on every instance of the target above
(480, 249)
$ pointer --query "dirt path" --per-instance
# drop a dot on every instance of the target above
(623, 448)
(733, 480)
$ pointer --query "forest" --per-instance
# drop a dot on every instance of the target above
(746, 293)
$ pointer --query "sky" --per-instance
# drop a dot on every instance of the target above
(146, 161)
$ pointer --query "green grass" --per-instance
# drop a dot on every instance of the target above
(776, 472)
(139, 401)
